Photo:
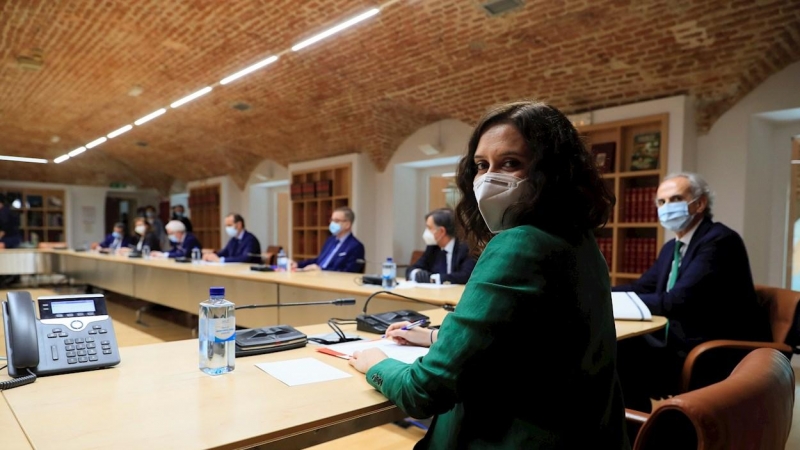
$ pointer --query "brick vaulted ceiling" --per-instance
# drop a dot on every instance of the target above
(365, 90)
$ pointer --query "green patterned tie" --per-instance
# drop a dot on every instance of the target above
(676, 263)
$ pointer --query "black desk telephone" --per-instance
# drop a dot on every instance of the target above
(74, 333)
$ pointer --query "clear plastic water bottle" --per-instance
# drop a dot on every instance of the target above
(388, 273)
(146, 251)
(217, 333)
(197, 255)
(283, 261)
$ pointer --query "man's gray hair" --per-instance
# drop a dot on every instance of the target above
(176, 226)
(699, 187)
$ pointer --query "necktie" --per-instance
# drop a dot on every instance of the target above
(328, 258)
(446, 262)
(234, 247)
(676, 263)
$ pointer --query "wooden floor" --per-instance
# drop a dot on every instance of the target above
(164, 325)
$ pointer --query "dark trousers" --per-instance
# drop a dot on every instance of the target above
(647, 370)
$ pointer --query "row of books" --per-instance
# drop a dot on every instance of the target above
(639, 206)
(311, 189)
(606, 245)
(638, 254)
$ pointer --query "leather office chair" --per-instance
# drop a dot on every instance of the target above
(270, 257)
(712, 361)
(752, 408)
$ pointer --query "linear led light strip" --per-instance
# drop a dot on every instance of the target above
(263, 63)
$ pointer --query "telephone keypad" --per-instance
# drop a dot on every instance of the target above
(70, 347)
(83, 359)
(81, 352)
(82, 348)
(70, 354)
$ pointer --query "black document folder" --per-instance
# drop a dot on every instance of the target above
(256, 341)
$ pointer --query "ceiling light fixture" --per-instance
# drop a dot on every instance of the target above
(96, 142)
(61, 159)
(336, 29)
(76, 152)
(150, 116)
(23, 159)
(252, 68)
(116, 133)
(191, 97)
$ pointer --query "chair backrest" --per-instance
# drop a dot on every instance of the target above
(271, 255)
(783, 313)
(415, 256)
(752, 408)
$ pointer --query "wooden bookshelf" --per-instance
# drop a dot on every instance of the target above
(40, 212)
(633, 170)
(204, 203)
(315, 194)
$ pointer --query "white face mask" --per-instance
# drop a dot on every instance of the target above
(140, 229)
(428, 237)
(231, 231)
(495, 192)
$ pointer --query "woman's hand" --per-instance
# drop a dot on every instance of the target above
(416, 336)
(364, 360)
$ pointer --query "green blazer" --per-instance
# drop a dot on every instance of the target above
(528, 358)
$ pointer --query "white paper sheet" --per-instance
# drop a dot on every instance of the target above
(628, 306)
(405, 353)
(296, 372)
(414, 284)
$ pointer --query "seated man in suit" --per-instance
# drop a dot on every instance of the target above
(114, 241)
(243, 246)
(445, 254)
(701, 282)
(342, 252)
(178, 213)
(10, 236)
(183, 242)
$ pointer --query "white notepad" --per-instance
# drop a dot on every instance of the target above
(296, 372)
(628, 306)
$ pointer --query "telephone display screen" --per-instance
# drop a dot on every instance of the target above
(74, 306)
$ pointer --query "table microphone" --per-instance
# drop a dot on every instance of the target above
(257, 341)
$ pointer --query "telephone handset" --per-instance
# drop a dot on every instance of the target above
(73, 333)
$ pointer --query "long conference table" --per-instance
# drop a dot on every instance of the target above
(157, 398)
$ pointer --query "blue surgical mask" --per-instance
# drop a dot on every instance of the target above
(231, 231)
(173, 238)
(335, 228)
(675, 216)
(116, 235)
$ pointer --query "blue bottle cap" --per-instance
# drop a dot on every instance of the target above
(217, 291)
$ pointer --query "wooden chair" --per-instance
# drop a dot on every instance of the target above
(270, 257)
(751, 408)
(712, 361)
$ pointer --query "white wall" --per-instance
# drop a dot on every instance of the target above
(744, 159)
(399, 212)
(85, 208)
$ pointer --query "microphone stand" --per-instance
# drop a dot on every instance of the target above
(256, 341)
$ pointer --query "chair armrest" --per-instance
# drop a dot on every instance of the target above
(691, 358)
(638, 417)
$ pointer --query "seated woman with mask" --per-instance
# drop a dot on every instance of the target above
(533, 334)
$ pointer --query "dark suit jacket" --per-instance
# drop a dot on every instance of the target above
(149, 239)
(713, 297)
(9, 224)
(346, 258)
(434, 260)
(184, 248)
(238, 250)
(110, 240)
(527, 287)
